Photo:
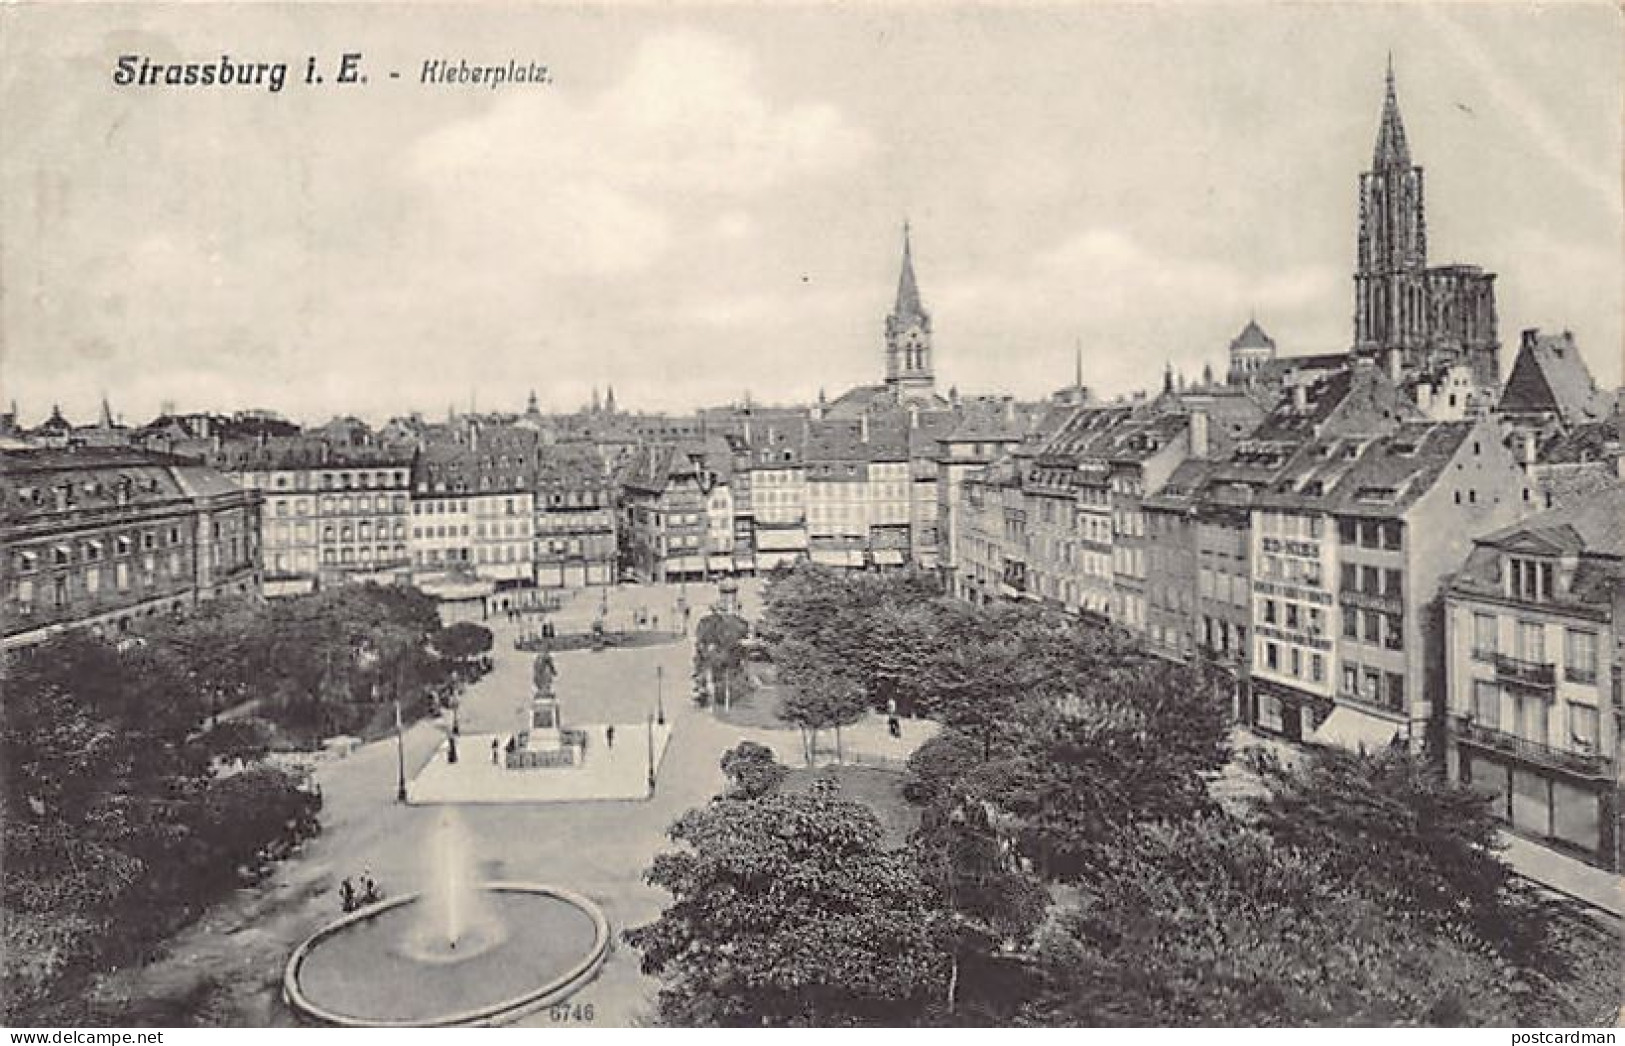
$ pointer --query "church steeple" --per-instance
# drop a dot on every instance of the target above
(1392, 150)
(908, 333)
(1390, 302)
(908, 290)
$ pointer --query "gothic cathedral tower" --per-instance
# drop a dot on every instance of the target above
(908, 336)
(1390, 280)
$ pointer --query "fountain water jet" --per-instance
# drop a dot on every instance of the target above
(460, 952)
(455, 923)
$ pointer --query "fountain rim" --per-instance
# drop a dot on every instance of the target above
(553, 991)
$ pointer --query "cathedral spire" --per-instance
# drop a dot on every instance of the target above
(908, 291)
(1391, 151)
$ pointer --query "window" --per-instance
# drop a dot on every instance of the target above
(1580, 656)
(1531, 642)
(1373, 627)
(1396, 691)
(1391, 538)
(1292, 615)
(1484, 644)
(1583, 727)
(1317, 668)
(1272, 655)
(1529, 579)
(1297, 662)
(1370, 581)
(1392, 582)
(1269, 611)
(1350, 578)
(1533, 715)
(1347, 531)
(1395, 637)
(1351, 679)
(1371, 685)
(1351, 624)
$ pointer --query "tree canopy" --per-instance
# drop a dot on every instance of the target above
(787, 911)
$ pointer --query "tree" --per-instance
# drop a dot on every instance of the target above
(752, 771)
(1212, 923)
(966, 851)
(1392, 819)
(719, 653)
(461, 641)
(787, 911)
(818, 694)
(118, 826)
(939, 764)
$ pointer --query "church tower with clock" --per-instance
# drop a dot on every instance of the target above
(908, 336)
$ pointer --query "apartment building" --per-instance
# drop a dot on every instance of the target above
(1533, 651)
(97, 538)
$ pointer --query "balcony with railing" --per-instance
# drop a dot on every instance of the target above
(1585, 764)
(1535, 675)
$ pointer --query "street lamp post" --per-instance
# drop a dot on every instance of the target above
(400, 754)
(660, 688)
(651, 721)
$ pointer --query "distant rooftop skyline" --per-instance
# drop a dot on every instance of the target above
(710, 203)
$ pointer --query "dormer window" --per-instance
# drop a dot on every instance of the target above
(1529, 579)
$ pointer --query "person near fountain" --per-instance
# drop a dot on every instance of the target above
(369, 888)
(347, 894)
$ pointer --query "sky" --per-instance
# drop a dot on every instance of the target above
(706, 202)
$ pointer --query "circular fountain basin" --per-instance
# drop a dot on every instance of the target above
(373, 969)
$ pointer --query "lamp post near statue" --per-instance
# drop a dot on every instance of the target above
(651, 721)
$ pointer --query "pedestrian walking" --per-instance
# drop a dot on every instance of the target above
(495, 750)
(347, 894)
(369, 888)
(609, 736)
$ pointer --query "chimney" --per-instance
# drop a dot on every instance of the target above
(1199, 434)
(1300, 395)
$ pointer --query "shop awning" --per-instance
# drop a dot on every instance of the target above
(1356, 731)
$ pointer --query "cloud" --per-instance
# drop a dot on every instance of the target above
(1100, 274)
(596, 185)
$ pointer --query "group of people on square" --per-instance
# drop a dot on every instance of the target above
(354, 897)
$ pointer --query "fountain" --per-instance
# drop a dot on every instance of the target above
(461, 952)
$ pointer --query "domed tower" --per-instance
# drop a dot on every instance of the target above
(908, 335)
(1250, 351)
